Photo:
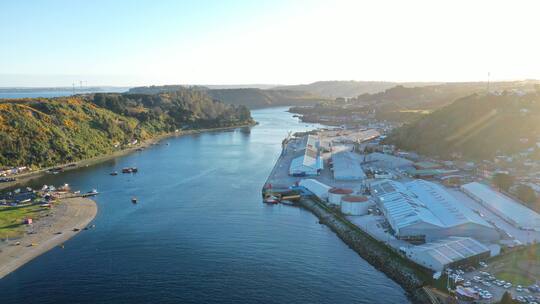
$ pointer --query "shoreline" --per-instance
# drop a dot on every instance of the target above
(407, 275)
(24, 178)
(70, 213)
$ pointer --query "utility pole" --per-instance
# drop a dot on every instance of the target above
(489, 75)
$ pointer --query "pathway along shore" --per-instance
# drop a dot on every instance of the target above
(70, 213)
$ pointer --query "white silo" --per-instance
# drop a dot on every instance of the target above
(335, 195)
(354, 205)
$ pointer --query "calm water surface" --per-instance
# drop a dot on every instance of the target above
(199, 234)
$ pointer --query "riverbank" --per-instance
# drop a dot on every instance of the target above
(400, 270)
(22, 179)
(67, 215)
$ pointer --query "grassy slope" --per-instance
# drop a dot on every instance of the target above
(520, 267)
(59, 131)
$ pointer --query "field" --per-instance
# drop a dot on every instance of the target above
(12, 219)
(520, 267)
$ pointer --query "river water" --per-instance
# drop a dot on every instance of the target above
(199, 233)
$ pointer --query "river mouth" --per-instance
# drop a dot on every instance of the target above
(199, 232)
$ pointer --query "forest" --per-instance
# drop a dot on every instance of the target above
(42, 132)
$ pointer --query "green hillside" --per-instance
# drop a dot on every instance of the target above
(46, 132)
(476, 127)
(257, 98)
(250, 97)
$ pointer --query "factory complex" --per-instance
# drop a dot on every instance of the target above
(431, 214)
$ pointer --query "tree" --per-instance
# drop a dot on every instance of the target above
(506, 298)
(503, 181)
(526, 194)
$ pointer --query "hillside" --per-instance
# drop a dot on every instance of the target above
(257, 98)
(250, 97)
(334, 89)
(476, 127)
(46, 132)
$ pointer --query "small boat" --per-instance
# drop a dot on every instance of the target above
(114, 173)
(130, 170)
(90, 193)
(134, 200)
(271, 200)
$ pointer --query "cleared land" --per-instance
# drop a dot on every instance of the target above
(520, 267)
(49, 231)
(12, 219)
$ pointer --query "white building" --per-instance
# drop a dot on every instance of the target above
(449, 252)
(503, 206)
(310, 163)
(347, 166)
(317, 188)
(424, 211)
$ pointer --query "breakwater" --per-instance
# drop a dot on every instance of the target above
(410, 276)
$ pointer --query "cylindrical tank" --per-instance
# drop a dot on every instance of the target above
(354, 205)
(335, 195)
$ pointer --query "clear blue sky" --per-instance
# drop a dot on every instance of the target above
(118, 42)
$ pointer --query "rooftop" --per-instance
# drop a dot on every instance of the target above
(419, 200)
(451, 249)
(517, 212)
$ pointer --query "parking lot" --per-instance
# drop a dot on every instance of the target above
(481, 280)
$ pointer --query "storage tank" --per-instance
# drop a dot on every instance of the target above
(354, 205)
(335, 195)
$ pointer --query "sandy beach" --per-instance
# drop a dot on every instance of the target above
(66, 215)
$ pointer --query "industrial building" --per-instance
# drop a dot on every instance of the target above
(317, 188)
(447, 253)
(503, 206)
(346, 166)
(420, 211)
(387, 161)
(310, 162)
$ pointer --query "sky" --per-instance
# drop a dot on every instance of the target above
(127, 43)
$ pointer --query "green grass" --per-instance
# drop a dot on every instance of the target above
(12, 219)
(519, 267)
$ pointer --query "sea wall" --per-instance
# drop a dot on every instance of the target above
(407, 274)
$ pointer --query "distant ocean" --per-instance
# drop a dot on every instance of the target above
(47, 93)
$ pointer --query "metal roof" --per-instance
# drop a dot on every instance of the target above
(451, 249)
(503, 205)
(422, 201)
(347, 166)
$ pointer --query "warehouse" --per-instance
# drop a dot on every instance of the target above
(448, 253)
(317, 188)
(347, 166)
(421, 211)
(310, 162)
(503, 206)
(387, 161)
